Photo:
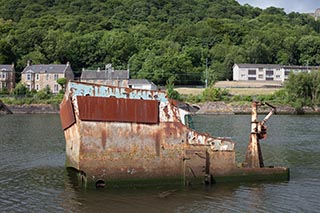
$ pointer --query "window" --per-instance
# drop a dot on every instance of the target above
(37, 87)
(56, 88)
(269, 75)
(2, 75)
(252, 72)
(260, 76)
(29, 77)
(56, 76)
(287, 72)
(252, 78)
(277, 76)
(28, 86)
(269, 72)
(37, 77)
(47, 77)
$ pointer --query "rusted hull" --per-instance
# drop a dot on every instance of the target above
(112, 137)
(120, 151)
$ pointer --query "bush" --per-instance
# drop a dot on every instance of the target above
(242, 98)
(44, 93)
(192, 98)
(4, 91)
(214, 94)
(170, 90)
(20, 89)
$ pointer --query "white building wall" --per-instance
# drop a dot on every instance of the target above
(236, 73)
(262, 73)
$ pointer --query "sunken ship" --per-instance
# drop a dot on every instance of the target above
(117, 136)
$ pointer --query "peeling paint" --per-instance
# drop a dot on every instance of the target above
(123, 134)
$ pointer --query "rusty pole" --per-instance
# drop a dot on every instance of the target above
(254, 155)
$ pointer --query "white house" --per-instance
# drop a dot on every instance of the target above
(142, 84)
(267, 72)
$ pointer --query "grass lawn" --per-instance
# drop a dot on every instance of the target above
(236, 88)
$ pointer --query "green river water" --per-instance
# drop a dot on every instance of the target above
(33, 177)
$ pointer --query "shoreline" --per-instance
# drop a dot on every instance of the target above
(220, 107)
(207, 108)
(34, 109)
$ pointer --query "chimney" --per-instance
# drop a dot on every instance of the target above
(29, 62)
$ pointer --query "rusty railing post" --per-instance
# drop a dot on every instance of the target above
(258, 131)
(253, 153)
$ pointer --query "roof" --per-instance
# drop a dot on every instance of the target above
(105, 74)
(5, 67)
(49, 68)
(300, 67)
(139, 82)
(275, 66)
(259, 65)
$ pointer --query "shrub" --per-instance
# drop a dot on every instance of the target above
(214, 94)
(20, 89)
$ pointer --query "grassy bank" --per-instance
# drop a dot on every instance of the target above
(232, 91)
(237, 88)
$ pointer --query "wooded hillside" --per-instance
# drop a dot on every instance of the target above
(156, 39)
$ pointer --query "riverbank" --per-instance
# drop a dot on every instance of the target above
(34, 108)
(218, 107)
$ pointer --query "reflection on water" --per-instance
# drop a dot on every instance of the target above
(33, 177)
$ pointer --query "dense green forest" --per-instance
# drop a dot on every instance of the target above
(155, 39)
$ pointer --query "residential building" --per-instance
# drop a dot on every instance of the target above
(39, 76)
(142, 84)
(7, 77)
(316, 14)
(107, 76)
(267, 72)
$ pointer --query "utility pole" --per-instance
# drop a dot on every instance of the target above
(206, 72)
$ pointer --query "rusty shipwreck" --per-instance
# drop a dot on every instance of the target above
(118, 136)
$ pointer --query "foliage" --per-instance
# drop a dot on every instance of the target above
(20, 89)
(155, 39)
(192, 98)
(304, 89)
(44, 94)
(4, 91)
(62, 82)
(214, 94)
(173, 94)
(245, 98)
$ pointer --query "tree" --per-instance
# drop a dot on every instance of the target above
(44, 93)
(304, 88)
(62, 82)
(315, 87)
(6, 52)
(155, 39)
(173, 94)
(20, 89)
(309, 47)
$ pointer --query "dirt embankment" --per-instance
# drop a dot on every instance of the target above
(218, 107)
(224, 108)
(34, 108)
